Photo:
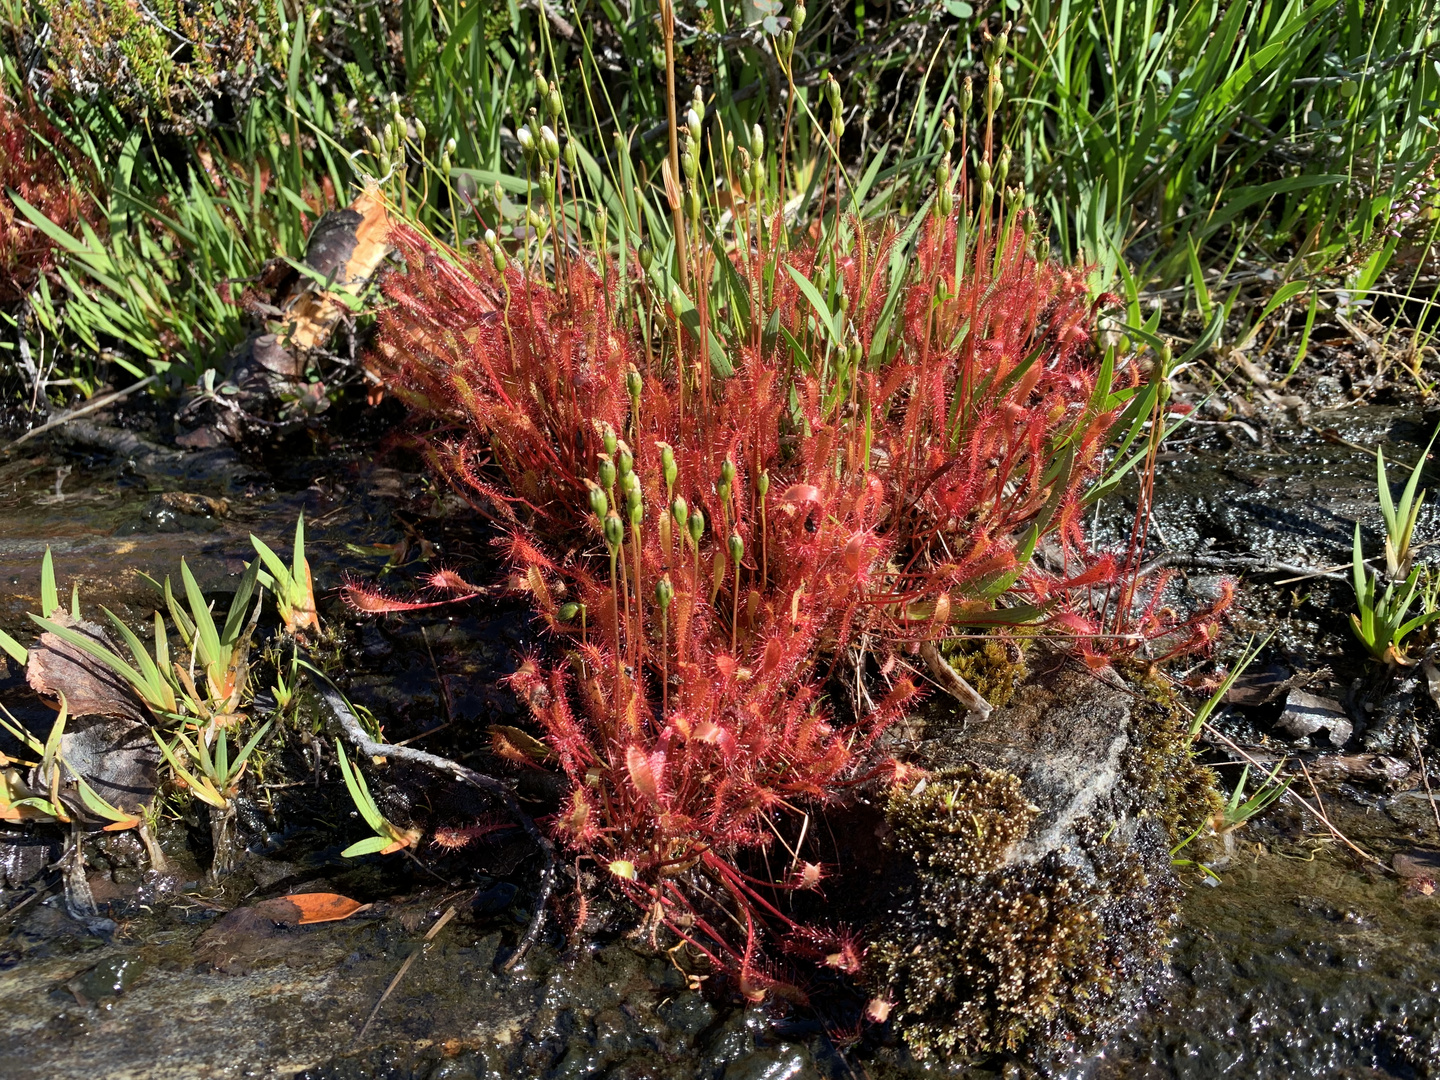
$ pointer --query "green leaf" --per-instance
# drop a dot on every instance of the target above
(272, 563)
(97, 805)
(360, 791)
(202, 790)
(822, 311)
(235, 620)
(207, 636)
(49, 594)
(14, 649)
(369, 846)
(156, 690)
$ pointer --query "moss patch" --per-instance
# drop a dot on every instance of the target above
(994, 666)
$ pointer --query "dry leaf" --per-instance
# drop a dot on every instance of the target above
(321, 907)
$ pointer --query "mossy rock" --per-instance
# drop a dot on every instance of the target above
(1034, 881)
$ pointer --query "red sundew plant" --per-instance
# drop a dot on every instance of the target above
(32, 163)
(863, 457)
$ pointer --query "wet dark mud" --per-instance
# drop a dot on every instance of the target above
(1303, 961)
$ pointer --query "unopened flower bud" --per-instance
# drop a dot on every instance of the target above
(688, 165)
(727, 471)
(680, 511)
(599, 504)
(614, 531)
(667, 465)
(526, 140)
(646, 255)
(832, 93)
(568, 611)
(945, 201)
(664, 593)
(762, 483)
(634, 384)
(541, 86)
(451, 145)
(571, 155)
(1002, 169)
(692, 120)
(697, 525)
(607, 436)
(550, 142)
(737, 548)
(553, 104)
(498, 258)
(797, 18)
(729, 145)
(757, 141)
(419, 126)
(491, 240)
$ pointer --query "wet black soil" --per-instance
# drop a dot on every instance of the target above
(1304, 960)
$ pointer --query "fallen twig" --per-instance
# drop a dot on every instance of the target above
(94, 405)
(429, 936)
(354, 734)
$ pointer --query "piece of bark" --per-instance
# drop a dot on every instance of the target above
(349, 244)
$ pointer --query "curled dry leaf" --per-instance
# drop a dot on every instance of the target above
(90, 688)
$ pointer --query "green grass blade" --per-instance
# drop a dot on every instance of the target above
(14, 649)
(207, 636)
(49, 594)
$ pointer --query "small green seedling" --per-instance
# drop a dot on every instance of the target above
(1400, 520)
(293, 586)
(1382, 623)
(1238, 809)
(214, 778)
(388, 837)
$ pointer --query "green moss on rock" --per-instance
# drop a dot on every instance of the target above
(964, 820)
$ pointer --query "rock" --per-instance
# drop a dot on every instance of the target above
(1307, 713)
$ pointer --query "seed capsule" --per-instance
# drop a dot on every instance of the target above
(646, 255)
(568, 612)
(797, 18)
(624, 461)
(680, 511)
(697, 525)
(664, 593)
(762, 483)
(607, 436)
(737, 548)
(607, 472)
(727, 471)
(634, 383)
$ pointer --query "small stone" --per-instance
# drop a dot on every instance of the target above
(1305, 714)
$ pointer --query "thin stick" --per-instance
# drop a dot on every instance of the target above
(84, 410)
(439, 925)
(1425, 778)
